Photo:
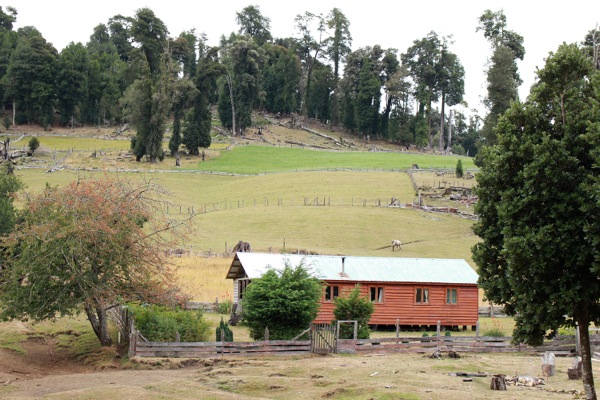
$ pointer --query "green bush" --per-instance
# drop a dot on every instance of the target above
(353, 307)
(494, 332)
(228, 332)
(225, 307)
(161, 324)
(459, 169)
(448, 333)
(284, 301)
(34, 144)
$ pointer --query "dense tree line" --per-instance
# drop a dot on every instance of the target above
(132, 71)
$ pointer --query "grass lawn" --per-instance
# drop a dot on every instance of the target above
(268, 159)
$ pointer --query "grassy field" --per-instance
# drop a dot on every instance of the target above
(269, 212)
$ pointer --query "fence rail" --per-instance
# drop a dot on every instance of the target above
(561, 345)
(215, 349)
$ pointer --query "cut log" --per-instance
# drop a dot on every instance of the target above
(498, 382)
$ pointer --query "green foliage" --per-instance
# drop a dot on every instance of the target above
(284, 301)
(7, 122)
(225, 306)
(161, 324)
(227, 333)
(84, 246)
(494, 332)
(353, 307)
(34, 144)
(535, 207)
(538, 205)
(9, 185)
(448, 333)
(459, 169)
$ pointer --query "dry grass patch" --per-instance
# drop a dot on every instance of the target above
(204, 278)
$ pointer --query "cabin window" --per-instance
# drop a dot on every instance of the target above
(451, 296)
(422, 296)
(377, 294)
(331, 292)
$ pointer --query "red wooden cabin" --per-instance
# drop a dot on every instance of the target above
(409, 291)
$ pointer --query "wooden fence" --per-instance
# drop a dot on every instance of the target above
(561, 345)
(217, 349)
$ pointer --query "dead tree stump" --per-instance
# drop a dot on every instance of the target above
(576, 372)
(498, 382)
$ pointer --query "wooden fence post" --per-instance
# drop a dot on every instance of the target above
(439, 325)
(397, 327)
(477, 329)
(355, 330)
(267, 334)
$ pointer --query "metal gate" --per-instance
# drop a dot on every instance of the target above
(323, 339)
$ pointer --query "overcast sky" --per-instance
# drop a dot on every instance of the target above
(391, 24)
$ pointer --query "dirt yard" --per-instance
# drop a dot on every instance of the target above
(45, 371)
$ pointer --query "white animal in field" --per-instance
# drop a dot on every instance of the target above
(396, 244)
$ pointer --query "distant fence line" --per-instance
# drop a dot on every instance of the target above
(226, 204)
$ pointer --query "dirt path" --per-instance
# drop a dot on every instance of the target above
(45, 371)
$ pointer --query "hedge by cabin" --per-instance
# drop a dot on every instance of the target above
(414, 292)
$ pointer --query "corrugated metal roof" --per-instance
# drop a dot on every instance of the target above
(362, 269)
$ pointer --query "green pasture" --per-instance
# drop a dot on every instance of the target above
(76, 151)
(266, 159)
(340, 212)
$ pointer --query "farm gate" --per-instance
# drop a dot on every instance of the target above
(323, 338)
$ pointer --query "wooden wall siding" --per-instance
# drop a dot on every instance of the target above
(399, 303)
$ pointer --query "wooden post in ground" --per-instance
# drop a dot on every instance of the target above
(397, 327)
(267, 334)
(548, 364)
(498, 382)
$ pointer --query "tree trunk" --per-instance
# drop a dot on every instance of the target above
(586, 357)
(442, 111)
(97, 316)
(230, 84)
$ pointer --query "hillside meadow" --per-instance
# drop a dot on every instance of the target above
(277, 198)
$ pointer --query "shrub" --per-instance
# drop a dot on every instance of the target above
(34, 144)
(458, 150)
(161, 324)
(353, 307)
(494, 332)
(459, 169)
(228, 332)
(284, 301)
(225, 306)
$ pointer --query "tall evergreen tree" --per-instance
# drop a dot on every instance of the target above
(72, 74)
(538, 206)
(199, 122)
(502, 76)
(30, 78)
(338, 47)
(254, 24)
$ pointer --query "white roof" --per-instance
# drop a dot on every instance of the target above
(358, 269)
